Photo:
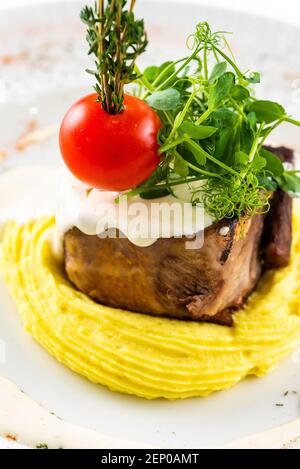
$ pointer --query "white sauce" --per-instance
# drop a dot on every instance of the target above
(141, 221)
(29, 192)
(224, 230)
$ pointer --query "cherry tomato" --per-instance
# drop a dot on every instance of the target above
(111, 152)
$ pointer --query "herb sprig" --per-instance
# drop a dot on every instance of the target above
(214, 130)
(116, 39)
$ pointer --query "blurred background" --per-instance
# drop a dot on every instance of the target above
(289, 10)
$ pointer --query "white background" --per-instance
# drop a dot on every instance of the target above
(287, 10)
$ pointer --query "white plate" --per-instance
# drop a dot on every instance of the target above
(42, 72)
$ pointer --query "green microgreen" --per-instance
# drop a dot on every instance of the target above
(213, 130)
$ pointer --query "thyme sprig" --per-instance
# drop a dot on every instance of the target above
(214, 130)
(116, 39)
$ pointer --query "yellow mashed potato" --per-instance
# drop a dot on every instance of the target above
(143, 355)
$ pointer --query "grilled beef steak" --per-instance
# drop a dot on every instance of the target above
(166, 279)
(278, 225)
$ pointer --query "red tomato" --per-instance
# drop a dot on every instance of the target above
(112, 152)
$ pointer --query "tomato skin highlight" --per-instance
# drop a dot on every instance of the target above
(111, 152)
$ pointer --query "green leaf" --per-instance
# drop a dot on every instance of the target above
(195, 131)
(258, 163)
(241, 158)
(254, 78)
(221, 89)
(154, 193)
(274, 164)
(150, 73)
(246, 137)
(161, 136)
(224, 114)
(188, 156)
(197, 152)
(164, 100)
(165, 70)
(266, 130)
(218, 70)
(168, 68)
(179, 166)
(157, 176)
(252, 119)
(225, 138)
(239, 93)
(268, 183)
(267, 111)
(289, 183)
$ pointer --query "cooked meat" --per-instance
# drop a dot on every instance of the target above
(278, 231)
(166, 279)
(278, 225)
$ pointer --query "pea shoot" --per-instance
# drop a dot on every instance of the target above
(214, 130)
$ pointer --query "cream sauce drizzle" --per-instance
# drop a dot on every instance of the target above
(28, 192)
(141, 221)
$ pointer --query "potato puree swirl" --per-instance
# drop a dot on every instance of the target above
(143, 355)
